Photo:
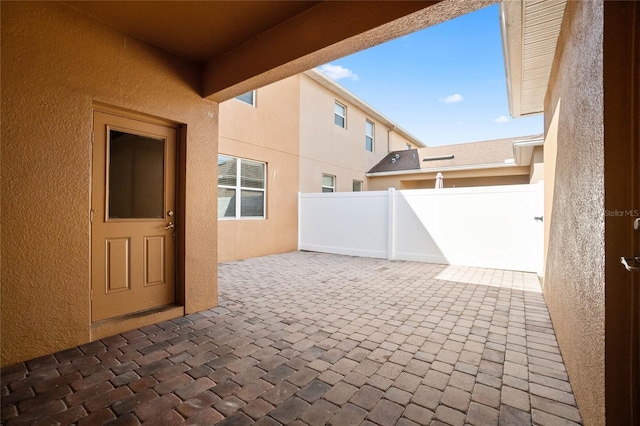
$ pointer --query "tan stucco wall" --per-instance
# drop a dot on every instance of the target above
(537, 165)
(461, 178)
(330, 149)
(574, 276)
(550, 153)
(397, 142)
(269, 133)
(55, 64)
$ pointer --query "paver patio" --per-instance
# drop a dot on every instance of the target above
(309, 338)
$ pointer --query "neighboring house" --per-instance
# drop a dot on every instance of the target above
(341, 136)
(496, 162)
(63, 63)
(305, 133)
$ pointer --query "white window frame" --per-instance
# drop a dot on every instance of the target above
(353, 187)
(253, 98)
(335, 113)
(368, 136)
(333, 178)
(408, 146)
(238, 189)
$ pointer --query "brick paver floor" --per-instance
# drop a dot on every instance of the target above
(309, 338)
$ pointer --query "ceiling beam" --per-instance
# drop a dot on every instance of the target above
(323, 33)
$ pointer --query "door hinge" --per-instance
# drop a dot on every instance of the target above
(92, 137)
(91, 216)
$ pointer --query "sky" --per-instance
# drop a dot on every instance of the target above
(445, 84)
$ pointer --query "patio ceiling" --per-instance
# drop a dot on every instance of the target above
(530, 31)
(242, 45)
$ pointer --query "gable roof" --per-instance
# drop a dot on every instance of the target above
(483, 154)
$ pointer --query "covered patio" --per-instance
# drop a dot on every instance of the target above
(310, 338)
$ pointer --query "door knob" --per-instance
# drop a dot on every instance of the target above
(170, 225)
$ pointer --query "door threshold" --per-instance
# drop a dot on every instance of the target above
(113, 326)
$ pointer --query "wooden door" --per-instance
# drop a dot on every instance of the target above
(622, 152)
(634, 118)
(132, 217)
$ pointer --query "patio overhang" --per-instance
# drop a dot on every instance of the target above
(242, 45)
(530, 30)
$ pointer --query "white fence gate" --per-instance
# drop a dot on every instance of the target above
(489, 227)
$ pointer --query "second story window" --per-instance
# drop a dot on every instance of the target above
(369, 129)
(328, 183)
(408, 146)
(357, 186)
(340, 115)
(249, 98)
(241, 188)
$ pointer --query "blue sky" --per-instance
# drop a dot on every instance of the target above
(445, 84)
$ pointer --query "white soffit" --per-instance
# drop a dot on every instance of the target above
(530, 30)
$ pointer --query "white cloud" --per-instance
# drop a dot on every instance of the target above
(501, 119)
(452, 99)
(338, 72)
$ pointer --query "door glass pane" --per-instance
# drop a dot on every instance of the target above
(252, 204)
(136, 176)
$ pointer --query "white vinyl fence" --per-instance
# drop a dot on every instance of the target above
(490, 227)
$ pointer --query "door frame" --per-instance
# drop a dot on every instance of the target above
(180, 174)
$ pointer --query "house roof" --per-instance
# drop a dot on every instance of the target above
(493, 153)
(397, 161)
(530, 31)
(345, 94)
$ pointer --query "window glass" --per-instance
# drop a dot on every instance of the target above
(226, 202)
(328, 183)
(252, 175)
(241, 188)
(357, 185)
(249, 97)
(340, 115)
(369, 136)
(227, 170)
(252, 203)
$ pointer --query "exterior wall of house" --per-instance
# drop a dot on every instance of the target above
(462, 178)
(574, 280)
(55, 64)
(326, 148)
(268, 132)
(537, 165)
(397, 142)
